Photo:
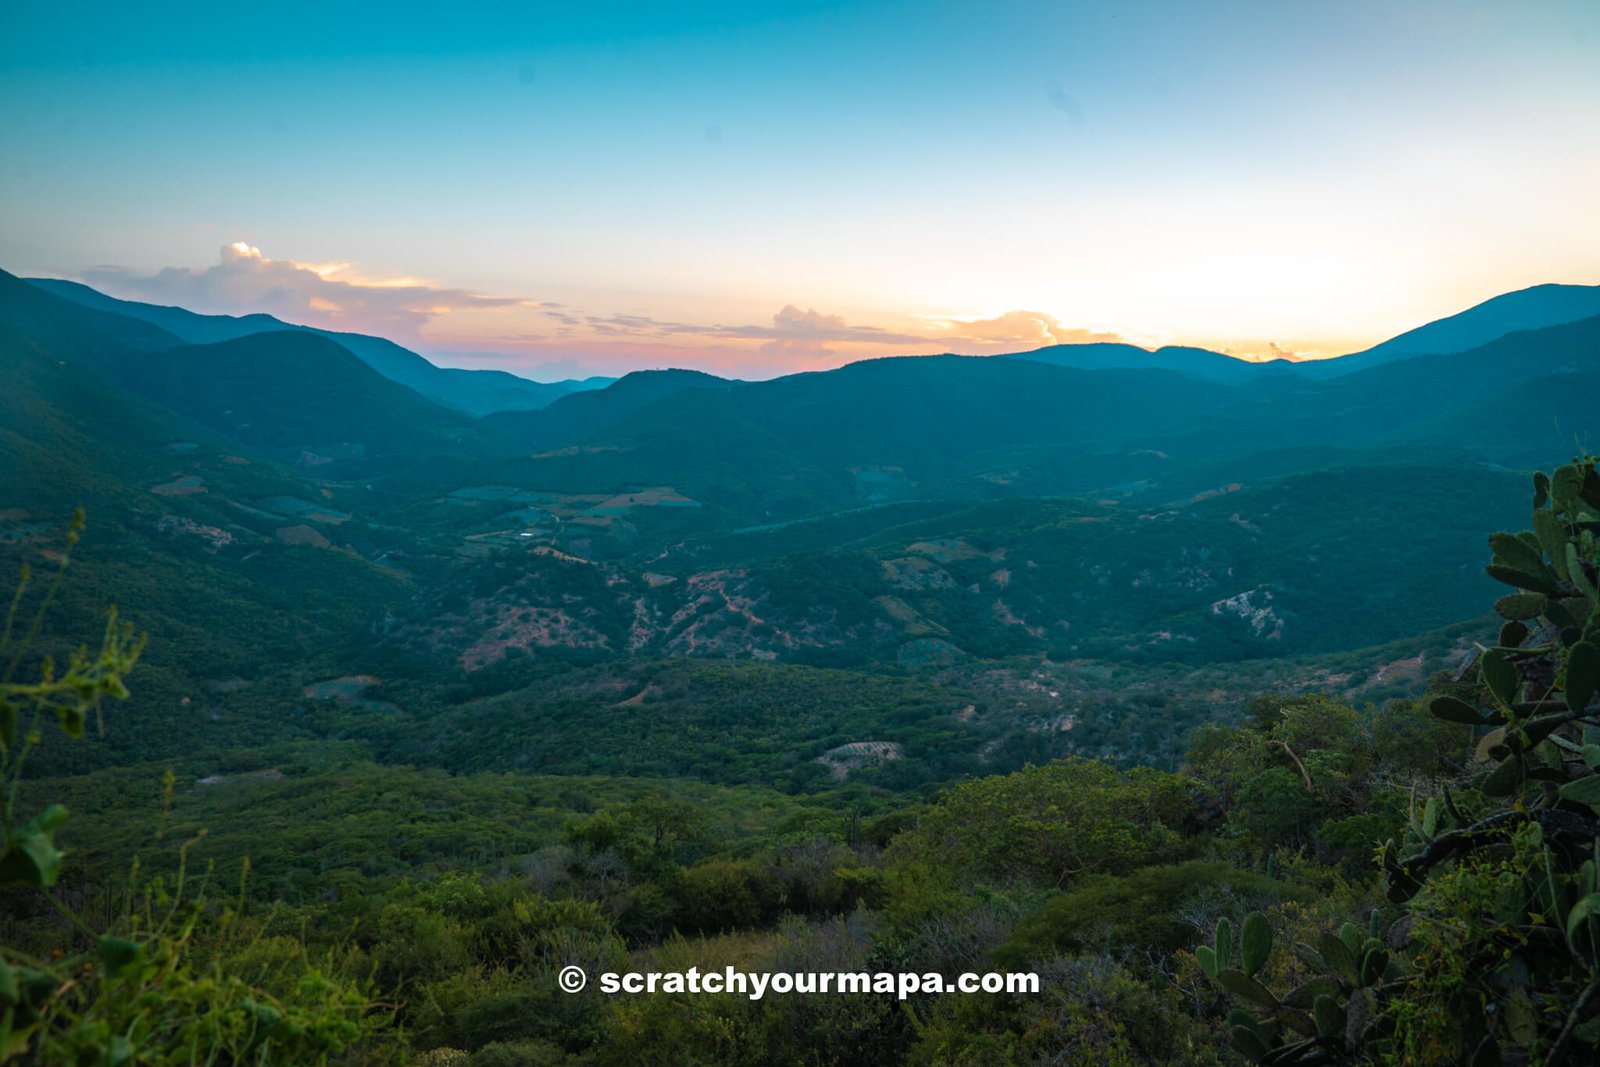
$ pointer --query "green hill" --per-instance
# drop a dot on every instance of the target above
(473, 392)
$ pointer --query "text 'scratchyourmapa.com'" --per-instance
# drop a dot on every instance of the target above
(757, 984)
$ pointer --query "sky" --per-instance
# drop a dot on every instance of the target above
(755, 189)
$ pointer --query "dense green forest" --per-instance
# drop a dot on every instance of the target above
(1220, 720)
(341, 908)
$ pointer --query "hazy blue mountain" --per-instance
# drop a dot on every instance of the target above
(475, 392)
(293, 393)
(890, 509)
(1526, 309)
(1200, 362)
(72, 329)
(966, 427)
(579, 414)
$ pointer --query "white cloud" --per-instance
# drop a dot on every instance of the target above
(329, 295)
(1029, 329)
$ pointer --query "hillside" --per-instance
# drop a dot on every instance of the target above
(587, 412)
(1533, 308)
(749, 662)
(474, 392)
(1198, 362)
(949, 427)
(912, 514)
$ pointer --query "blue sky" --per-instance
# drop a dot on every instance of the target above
(756, 189)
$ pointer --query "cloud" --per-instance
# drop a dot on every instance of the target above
(800, 338)
(1029, 329)
(792, 331)
(460, 325)
(329, 295)
(808, 323)
(807, 333)
(1279, 352)
(638, 326)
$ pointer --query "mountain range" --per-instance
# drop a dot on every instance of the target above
(475, 392)
(285, 505)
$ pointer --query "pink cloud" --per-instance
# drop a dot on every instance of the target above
(1019, 329)
(330, 295)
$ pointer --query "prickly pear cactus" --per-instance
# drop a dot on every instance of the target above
(1495, 955)
(1323, 1019)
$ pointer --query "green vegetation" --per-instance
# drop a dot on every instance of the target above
(920, 666)
(1495, 953)
(167, 979)
(455, 900)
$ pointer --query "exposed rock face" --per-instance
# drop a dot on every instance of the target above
(1254, 606)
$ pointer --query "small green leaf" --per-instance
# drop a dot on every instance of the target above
(1373, 963)
(1248, 1043)
(1454, 709)
(1576, 574)
(1517, 606)
(118, 953)
(1208, 960)
(1539, 729)
(1583, 674)
(1305, 994)
(73, 718)
(31, 856)
(1505, 778)
(1240, 1017)
(1558, 614)
(1500, 676)
(1552, 538)
(1513, 634)
(1521, 579)
(1310, 956)
(1564, 485)
(1340, 957)
(1224, 943)
(1242, 985)
(1516, 553)
(1587, 908)
(1585, 790)
(1328, 1016)
(1255, 942)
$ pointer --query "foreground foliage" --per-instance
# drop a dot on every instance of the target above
(176, 976)
(1493, 952)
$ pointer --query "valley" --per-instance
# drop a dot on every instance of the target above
(751, 662)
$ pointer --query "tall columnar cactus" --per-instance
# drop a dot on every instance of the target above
(1495, 956)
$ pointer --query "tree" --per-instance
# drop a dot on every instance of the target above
(1494, 952)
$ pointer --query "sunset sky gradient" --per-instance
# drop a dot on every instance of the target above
(753, 189)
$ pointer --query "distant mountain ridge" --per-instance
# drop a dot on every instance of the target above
(484, 392)
(294, 394)
(592, 410)
(473, 392)
(1199, 362)
(879, 512)
(1533, 308)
